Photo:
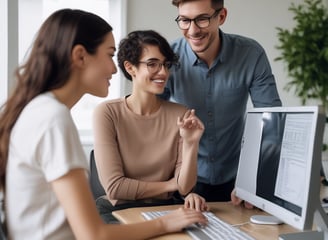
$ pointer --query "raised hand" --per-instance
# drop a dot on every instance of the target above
(191, 127)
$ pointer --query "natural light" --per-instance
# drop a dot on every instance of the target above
(82, 111)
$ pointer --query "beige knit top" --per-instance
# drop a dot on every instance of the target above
(132, 150)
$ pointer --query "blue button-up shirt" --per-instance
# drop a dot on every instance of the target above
(219, 95)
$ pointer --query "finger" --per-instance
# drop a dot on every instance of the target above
(179, 121)
(187, 114)
(248, 205)
(192, 203)
(207, 207)
(198, 205)
(186, 204)
(235, 200)
(204, 205)
(192, 113)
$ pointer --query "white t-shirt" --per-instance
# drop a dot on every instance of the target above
(44, 146)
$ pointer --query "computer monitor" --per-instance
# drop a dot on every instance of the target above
(280, 161)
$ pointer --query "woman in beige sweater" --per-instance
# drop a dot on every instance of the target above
(146, 148)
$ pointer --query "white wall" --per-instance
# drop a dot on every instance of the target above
(257, 19)
(153, 14)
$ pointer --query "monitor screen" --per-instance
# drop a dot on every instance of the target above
(280, 160)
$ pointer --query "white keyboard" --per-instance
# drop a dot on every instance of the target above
(215, 229)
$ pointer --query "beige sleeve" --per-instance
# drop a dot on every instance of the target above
(108, 158)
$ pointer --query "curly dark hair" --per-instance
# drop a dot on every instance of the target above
(130, 48)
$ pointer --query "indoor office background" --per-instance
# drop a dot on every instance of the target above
(20, 20)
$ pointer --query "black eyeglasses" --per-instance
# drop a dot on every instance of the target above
(156, 66)
(201, 22)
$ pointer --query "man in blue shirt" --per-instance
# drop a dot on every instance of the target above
(217, 73)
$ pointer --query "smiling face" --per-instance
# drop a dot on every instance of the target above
(203, 41)
(100, 67)
(144, 80)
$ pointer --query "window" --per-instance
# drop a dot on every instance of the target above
(30, 21)
(4, 51)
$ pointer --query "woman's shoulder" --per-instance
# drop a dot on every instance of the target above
(48, 104)
(110, 104)
(173, 106)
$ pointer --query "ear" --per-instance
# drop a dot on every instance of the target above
(78, 55)
(130, 68)
(222, 16)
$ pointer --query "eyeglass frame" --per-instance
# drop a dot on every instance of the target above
(177, 20)
(166, 64)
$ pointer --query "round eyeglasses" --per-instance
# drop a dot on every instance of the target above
(156, 66)
(201, 21)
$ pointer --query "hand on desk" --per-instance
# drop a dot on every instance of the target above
(237, 201)
(195, 201)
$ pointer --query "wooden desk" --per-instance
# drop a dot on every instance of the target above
(225, 210)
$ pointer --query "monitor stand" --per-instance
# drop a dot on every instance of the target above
(321, 223)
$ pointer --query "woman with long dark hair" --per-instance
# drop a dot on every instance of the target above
(43, 168)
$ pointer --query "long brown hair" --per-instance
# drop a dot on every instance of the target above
(48, 66)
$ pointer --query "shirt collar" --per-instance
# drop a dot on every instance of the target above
(222, 56)
(224, 48)
(193, 57)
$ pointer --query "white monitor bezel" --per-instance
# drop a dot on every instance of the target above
(312, 194)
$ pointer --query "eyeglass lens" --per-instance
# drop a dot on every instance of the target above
(154, 67)
(201, 22)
